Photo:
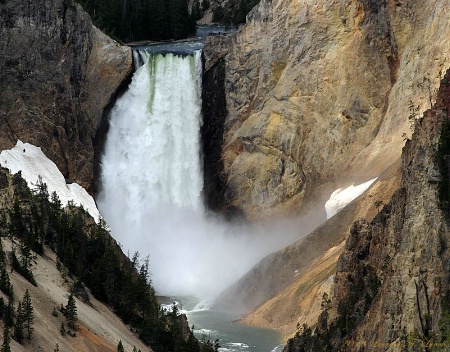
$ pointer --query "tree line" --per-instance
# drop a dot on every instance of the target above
(134, 20)
(90, 256)
(233, 12)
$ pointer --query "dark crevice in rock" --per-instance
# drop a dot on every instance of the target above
(63, 154)
(102, 131)
(214, 113)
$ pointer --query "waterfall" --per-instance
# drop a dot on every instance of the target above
(152, 183)
(152, 151)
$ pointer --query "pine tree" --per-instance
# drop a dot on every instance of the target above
(6, 340)
(28, 315)
(10, 313)
(71, 312)
(25, 256)
(62, 329)
(120, 347)
(5, 283)
(2, 252)
(18, 326)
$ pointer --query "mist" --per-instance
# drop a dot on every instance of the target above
(152, 184)
(197, 254)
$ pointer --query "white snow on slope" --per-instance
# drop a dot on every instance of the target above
(32, 162)
(342, 196)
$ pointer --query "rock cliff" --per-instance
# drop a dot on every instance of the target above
(286, 287)
(57, 75)
(392, 281)
(319, 95)
(318, 91)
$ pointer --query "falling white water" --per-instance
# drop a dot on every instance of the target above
(152, 183)
(152, 151)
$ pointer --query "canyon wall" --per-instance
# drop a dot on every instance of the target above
(320, 95)
(391, 284)
(320, 91)
(58, 73)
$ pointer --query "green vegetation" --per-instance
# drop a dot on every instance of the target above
(88, 255)
(198, 9)
(444, 322)
(362, 289)
(27, 314)
(143, 19)
(5, 284)
(70, 312)
(413, 114)
(62, 329)
(443, 161)
(18, 326)
(234, 12)
(6, 340)
(120, 347)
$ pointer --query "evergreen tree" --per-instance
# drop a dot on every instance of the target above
(70, 312)
(5, 283)
(25, 256)
(62, 329)
(2, 308)
(86, 250)
(28, 313)
(205, 5)
(143, 19)
(22, 266)
(120, 347)
(2, 252)
(6, 340)
(10, 313)
(18, 326)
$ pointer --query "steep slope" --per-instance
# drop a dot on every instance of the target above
(57, 75)
(286, 287)
(319, 91)
(98, 328)
(320, 95)
(391, 284)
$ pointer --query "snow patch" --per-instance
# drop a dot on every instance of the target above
(342, 196)
(32, 162)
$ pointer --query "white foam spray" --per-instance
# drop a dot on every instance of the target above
(152, 183)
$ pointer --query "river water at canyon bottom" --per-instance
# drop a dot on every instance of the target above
(233, 336)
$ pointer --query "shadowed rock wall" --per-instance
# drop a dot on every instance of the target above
(57, 74)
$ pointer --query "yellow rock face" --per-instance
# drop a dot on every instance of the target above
(320, 91)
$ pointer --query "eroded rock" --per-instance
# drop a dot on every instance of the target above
(57, 74)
